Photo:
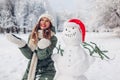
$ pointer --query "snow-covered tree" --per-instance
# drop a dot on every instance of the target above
(107, 13)
(114, 9)
(20, 12)
(5, 19)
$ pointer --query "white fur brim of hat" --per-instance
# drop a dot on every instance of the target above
(47, 16)
(71, 24)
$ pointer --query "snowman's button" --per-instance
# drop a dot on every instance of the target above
(69, 55)
(68, 65)
(70, 50)
(69, 60)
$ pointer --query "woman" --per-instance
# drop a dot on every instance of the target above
(42, 41)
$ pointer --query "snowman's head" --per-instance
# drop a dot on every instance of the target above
(73, 32)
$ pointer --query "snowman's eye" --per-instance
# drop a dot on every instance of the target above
(73, 28)
(66, 29)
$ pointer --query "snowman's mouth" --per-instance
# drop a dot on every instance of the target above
(71, 35)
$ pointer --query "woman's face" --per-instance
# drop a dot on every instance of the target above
(44, 23)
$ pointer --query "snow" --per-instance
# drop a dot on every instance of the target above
(105, 69)
(13, 63)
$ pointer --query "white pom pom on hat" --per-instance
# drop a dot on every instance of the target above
(77, 23)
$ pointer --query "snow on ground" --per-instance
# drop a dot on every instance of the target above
(105, 69)
(13, 63)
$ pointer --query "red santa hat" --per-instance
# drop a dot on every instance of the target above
(77, 23)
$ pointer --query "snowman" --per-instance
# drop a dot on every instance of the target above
(75, 61)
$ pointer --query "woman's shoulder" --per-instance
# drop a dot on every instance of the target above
(53, 29)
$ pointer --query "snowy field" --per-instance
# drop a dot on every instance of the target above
(13, 63)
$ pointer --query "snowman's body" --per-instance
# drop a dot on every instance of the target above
(74, 62)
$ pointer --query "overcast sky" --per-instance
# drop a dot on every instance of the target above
(70, 5)
(59, 5)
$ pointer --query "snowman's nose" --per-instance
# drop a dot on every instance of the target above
(69, 31)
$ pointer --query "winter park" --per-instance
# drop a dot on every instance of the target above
(101, 19)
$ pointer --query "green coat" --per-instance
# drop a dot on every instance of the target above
(45, 67)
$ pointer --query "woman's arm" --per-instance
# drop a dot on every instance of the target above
(26, 50)
(22, 45)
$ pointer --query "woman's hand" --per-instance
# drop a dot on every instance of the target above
(44, 43)
(16, 40)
